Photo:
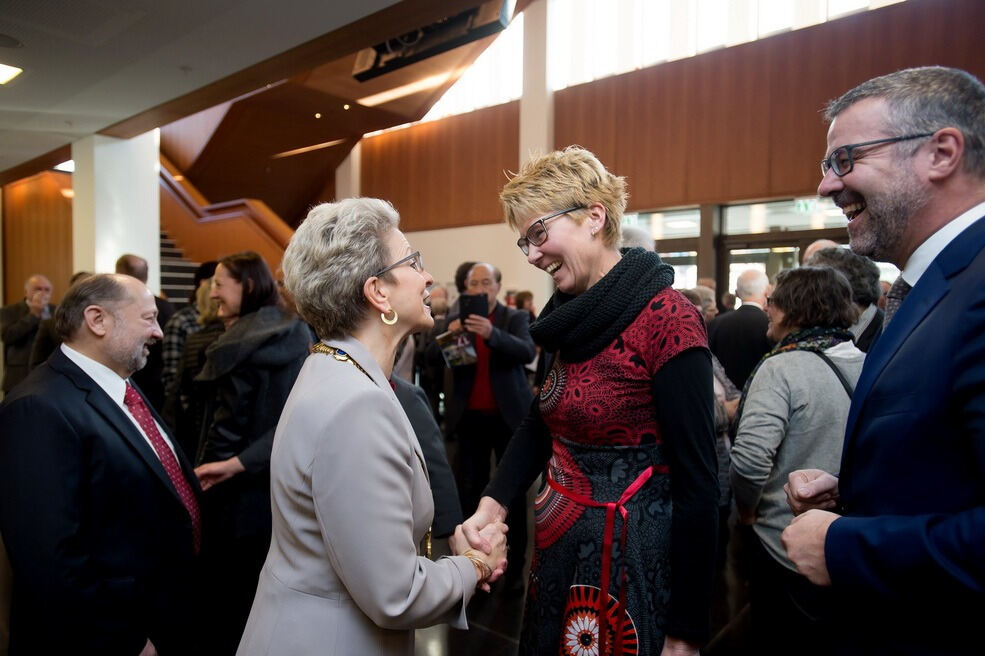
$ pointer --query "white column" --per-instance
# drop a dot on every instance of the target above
(347, 178)
(116, 208)
(537, 102)
(536, 138)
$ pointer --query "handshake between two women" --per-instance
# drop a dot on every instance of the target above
(482, 539)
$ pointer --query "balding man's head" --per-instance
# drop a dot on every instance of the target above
(37, 284)
(484, 278)
(819, 245)
(752, 285)
(132, 265)
(112, 319)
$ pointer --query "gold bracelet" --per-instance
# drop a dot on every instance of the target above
(480, 564)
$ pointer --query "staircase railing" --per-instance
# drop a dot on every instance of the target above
(209, 231)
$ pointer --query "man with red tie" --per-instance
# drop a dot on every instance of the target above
(98, 509)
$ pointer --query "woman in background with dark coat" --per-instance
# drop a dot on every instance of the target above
(248, 373)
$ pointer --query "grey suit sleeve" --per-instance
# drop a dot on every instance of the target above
(362, 481)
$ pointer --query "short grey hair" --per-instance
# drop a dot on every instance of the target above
(103, 289)
(751, 283)
(636, 237)
(332, 253)
(707, 297)
(862, 273)
(927, 99)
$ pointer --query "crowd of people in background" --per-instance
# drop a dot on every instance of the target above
(264, 469)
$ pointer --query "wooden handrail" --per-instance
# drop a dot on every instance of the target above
(208, 231)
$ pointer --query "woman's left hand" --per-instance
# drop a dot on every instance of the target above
(678, 647)
(212, 473)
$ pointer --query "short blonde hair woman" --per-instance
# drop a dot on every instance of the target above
(626, 525)
(349, 487)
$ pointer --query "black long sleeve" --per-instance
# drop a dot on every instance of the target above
(684, 396)
(526, 456)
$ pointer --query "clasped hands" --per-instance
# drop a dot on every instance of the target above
(484, 536)
(811, 493)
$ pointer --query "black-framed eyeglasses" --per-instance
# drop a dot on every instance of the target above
(414, 260)
(842, 159)
(537, 232)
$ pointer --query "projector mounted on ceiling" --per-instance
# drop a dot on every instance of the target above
(448, 33)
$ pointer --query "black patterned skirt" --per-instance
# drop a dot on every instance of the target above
(601, 505)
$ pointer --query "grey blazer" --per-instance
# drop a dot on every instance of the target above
(351, 502)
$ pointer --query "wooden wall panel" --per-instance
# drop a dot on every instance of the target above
(446, 173)
(745, 122)
(37, 233)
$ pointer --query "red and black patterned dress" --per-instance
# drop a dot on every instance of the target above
(607, 444)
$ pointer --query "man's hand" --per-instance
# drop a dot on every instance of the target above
(804, 542)
(149, 649)
(212, 473)
(479, 325)
(811, 488)
(36, 302)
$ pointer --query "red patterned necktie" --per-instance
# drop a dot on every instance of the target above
(139, 410)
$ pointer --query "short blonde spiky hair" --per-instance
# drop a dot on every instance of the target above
(572, 177)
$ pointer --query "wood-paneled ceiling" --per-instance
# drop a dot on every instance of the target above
(243, 149)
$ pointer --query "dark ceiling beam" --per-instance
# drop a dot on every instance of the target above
(49, 160)
(363, 33)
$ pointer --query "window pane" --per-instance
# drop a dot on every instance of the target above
(671, 224)
(795, 214)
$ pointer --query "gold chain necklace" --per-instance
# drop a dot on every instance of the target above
(342, 356)
(339, 355)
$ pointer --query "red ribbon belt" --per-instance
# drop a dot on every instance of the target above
(607, 540)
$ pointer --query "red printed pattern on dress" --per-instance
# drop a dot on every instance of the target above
(608, 399)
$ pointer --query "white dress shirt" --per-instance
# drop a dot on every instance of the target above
(928, 251)
(114, 386)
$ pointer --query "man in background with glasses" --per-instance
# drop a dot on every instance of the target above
(900, 534)
(492, 397)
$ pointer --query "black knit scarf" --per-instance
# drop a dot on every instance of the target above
(809, 339)
(579, 327)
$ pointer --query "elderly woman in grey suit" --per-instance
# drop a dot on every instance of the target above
(349, 486)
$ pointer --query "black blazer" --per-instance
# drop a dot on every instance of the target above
(510, 347)
(17, 330)
(447, 509)
(100, 544)
(738, 339)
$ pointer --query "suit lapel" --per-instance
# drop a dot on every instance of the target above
(97, 398)
(928, 292)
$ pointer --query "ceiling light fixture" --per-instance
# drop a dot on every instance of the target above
(307, 149)
(345, 107)
(8, 73)
(317, 114)
(68, 166)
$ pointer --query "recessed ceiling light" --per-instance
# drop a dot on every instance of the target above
(317, 114)
(345, 107)
(8, 73)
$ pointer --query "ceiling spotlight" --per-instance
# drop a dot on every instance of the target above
(8, 73)
(345, 107)
(317, 114)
